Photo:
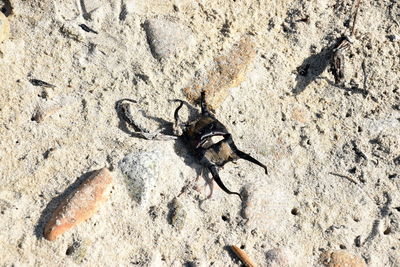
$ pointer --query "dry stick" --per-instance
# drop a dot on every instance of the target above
(357, 6)
(344, 176)
(353, 181)
(243, 256)
(364, 69)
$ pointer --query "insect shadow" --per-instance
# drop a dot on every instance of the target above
(53, 204)
(351, 90)
(313, 66)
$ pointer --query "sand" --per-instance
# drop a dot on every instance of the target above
(333, 151)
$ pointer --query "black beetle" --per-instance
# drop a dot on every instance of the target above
(197, 135)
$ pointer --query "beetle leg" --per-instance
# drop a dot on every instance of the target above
(211, 184)
(247, 157)
(178, 126)
(204, 110)
(176, 113)
(125, 114)
(214, 172)
(199, 175)
(244, 155)
(217, 179)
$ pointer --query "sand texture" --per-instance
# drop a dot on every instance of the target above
(332, 195)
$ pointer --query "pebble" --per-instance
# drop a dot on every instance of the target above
(300, 115)
(271, 204)
(276, 257)
(226, 71)
(4, 28)
(41, 113)
(166, 38)
(141, 170)
(80, 205)
(177, 214)
(394, 38)
(50, 105)
(78, 251)
(341, 259)
(6, 8)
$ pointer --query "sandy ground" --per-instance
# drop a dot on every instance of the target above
(333, 152)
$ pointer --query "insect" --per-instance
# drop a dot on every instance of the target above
(197, 136)
(337, 59)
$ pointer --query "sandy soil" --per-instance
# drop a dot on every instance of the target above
(333, 152)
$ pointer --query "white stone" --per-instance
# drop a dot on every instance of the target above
(141, 171)
(167, 38)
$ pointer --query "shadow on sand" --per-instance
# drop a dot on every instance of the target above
(313, 66)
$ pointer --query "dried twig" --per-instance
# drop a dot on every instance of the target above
(344, 176)
(87, 28)
(357, 6)
(354, 182)
(364, 69)
(243, 256)
(36, 82)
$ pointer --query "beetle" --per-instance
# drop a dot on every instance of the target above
(198, 138)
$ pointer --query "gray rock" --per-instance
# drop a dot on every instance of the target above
(276, 257)
(141, 170)
(166, 37)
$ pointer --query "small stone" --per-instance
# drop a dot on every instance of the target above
(6, 8)
(72, 32)
(77, 251)
(300, 115)
(41, 113)
(266, 203)
(276, 257)
(177, 214)
(48, 107)
(393, 38)
(166, 37)
(341, 259)
(80, 205)
(141, 170)
(4, 28)
(226, 72)
(4, 205)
